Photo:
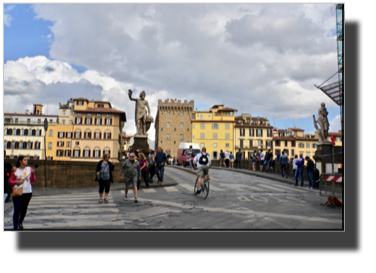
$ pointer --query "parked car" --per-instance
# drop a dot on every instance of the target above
(182, 156)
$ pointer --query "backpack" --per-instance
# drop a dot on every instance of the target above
(222, 155)
(203, 159)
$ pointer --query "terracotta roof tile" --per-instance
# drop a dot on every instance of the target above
(295, 129)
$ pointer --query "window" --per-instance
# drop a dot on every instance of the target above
(71, 113)
(301, 145)
(161, 129)
(69, 135)
(194, 126)
(181, 137)
(168, 136)
(39, 121)
(22, 132)
(78, 135)
(78, 114)
(59, 153)
(98, 121)
(51, 133)
(88, 121)
(215, 114)
(88, 114)
(293, 143)
(202, 145)
(61, 134)
(259, 143)
(107, 135)
(241, 143)
(182, 114)
(227, 145)
(308, 154)
(96, 153)
(39, 132)
(30, 132)
(98, 115)
(50, 146)
(202, 126)
(214, 145)
(108, 121)
(77, 153)
(181, 125)
(242, 132)
(269, 132)
(215, 136)
(227, 136)
(79, 120)
(168, 125)
(37, 145)
(301, 152)
(100, 105)
(268, 144)
(87, 153)
(286, 144)
(292, 152)
(77, 143)
(68, 144)
(209, 116)
(193, 137)
(63, 121)
(202, 135)
(98, 135)
(314, 146)
(277, 143)
(64, 112)
(168, 114)
(68, 153)
(215, 155)
(215, 126)
(80, 102)
(259, 132)
(308, 145)
(28, 120)
(193, 116)
(201, 117)
(231, 114)
(60, 144)
(71, 122)
(227, 126)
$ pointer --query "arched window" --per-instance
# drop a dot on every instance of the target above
(37, 145)
(22, 132)
(33, 132)
(87, 134)
(30, 145)
(39, 132)
(18, 132)
(97, 134)
(86, 152)
(14, 132)
(106, 150)
(9, 145)
(51, 133)
(21, 145)
(76, 152)
(50, 146)
(77, 134)
(17, 145)
(97, 152)
(26, 132)
(30, 132)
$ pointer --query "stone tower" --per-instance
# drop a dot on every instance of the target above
(173, 125)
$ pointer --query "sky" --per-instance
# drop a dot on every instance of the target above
(262, 59)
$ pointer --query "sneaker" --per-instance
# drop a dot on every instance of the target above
(311, 187)
(125, 198)
(198, 192)
(135, 200)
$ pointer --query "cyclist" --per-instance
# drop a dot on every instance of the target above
(203, 164)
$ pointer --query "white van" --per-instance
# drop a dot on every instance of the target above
(182, 156)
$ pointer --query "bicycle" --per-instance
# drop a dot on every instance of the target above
(204, 186)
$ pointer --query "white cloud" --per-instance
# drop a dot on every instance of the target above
(335, 124)
(40, 80)
(7, 19)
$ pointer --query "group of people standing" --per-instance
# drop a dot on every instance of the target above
(228, 159)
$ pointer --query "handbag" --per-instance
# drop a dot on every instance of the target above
(17, 191)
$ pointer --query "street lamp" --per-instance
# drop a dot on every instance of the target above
(45, 156)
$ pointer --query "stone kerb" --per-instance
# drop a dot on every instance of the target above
(65, 174)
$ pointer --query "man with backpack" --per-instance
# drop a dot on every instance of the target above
(222, 159)
(203, 164)
(238, 159)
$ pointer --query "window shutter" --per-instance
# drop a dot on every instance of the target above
(100, 135)
(31, 147)
(109, 134)
(90, 135)
(261, 131)
(110, 121)
(105, 121)
(99, 153)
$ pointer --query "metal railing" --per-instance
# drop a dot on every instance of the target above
(7, 122)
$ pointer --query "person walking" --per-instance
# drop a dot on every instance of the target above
(23, 177)
(278, 155)
(144, 171)
(174, 161)
(254, 160)
(190, 157)
(227, 159)
(238, 157)
(104, 176)
(221, 159)
(132, 167)
(262, 158)
(310, 167)
(268, 159)
(294, 167)
(283, 161)
(159, 163)
(151, 166)
(8, 169)
(232, 160)
(300, 164)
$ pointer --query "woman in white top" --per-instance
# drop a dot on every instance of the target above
(23, 177)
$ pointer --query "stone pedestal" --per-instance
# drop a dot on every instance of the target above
(141, 142)
(324, 155)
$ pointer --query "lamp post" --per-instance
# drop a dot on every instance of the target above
(45, 156)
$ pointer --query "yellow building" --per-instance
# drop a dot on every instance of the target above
(252, 133)
(214, 129)
(294, 142)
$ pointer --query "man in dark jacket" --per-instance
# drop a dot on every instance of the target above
(268, 159)
(132, 175)
(310, 167)
(238, 158)
(159, 163)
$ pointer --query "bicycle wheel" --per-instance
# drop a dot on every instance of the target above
(205, 189)
(195, 188)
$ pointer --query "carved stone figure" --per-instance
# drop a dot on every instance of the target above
(322, 120)
(142, 118)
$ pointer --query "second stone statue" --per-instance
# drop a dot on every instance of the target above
(143, 116)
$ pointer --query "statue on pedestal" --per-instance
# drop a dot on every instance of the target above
(143, 121)
(322, 120)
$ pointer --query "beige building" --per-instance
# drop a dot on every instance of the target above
(173, 125)
(24, 133)
(252, 133)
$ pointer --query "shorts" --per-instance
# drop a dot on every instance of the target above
(261, 162)
(232, 160)
(254, 160)
(221, 160)
(131, 181)
(202, 170)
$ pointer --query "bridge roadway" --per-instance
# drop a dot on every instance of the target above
(236, 201)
